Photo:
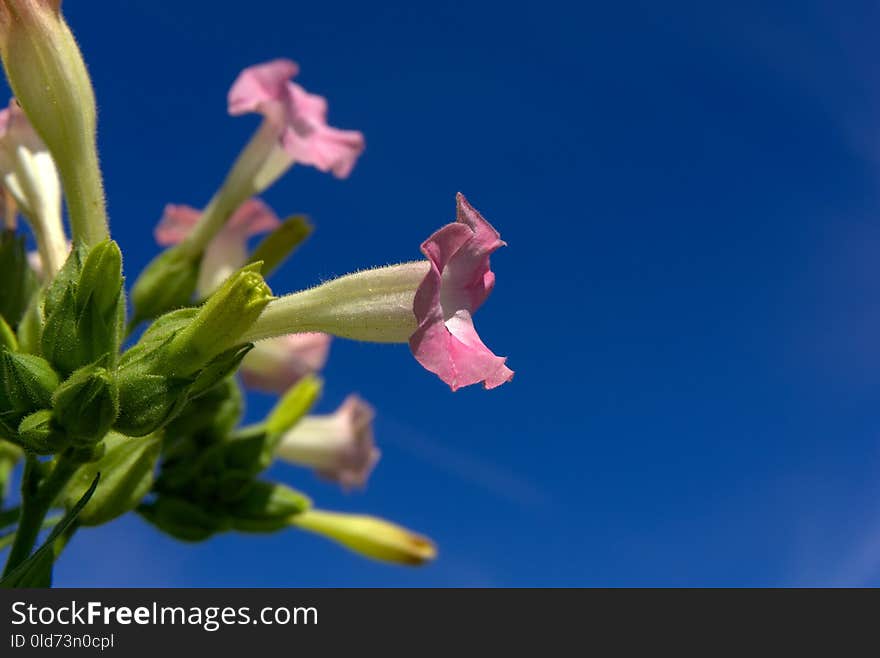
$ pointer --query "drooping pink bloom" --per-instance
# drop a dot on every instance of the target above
(339, 446)
(276, 364)
(299, 117)
(228, 250)
(458, 282)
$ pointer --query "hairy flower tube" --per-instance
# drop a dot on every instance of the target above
(428, 304)
(29, 175)
(339, 446)
(49, 78)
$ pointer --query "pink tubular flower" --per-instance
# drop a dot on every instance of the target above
(276, 364)
(458, 282)
(428, 303)
(228, 250)
(299, 117)
(339, 446)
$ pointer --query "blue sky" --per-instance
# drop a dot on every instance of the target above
(689, 298)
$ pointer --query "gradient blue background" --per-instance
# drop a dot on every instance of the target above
(689, 298)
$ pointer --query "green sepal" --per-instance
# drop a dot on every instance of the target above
(39, 433)
(26, 384)
(219, 369)
(278, 245)
(127, 469)
(8, 340)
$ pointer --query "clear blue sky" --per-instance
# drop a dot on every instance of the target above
(690, 298)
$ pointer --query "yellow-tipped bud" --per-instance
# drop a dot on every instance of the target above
(369, 535)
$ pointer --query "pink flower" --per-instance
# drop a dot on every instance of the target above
(458, 282)
(276, 364)
(299, 117)
(228, 250)
(339, 446)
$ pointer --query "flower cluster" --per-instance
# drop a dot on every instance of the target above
(111, 411)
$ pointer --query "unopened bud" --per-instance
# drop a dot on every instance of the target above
(220, 323)
(26, 384)
(370, 536)
(86, 405)
(49, 78)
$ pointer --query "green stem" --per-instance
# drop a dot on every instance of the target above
(36, 499)
(84, 193)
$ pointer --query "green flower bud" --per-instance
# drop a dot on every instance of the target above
(19, 283)
(86, 405)
(148, 402)
(39, 433)
(85, 308)
(267, 507)
(182, 519)
(126, 469)
(26, 384)
(220, 322)
(168, 282)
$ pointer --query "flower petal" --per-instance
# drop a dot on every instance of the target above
(446, 342)
(276, 364)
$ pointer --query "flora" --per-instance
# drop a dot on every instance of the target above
(114, 401)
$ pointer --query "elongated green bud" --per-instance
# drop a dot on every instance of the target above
(220, 323)
(370, 536)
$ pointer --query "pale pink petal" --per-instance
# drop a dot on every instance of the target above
(446, 342)
(260, 85)
(176, 223)
(253, 217)
(300, 117)
(276, 364)
(338, 446)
